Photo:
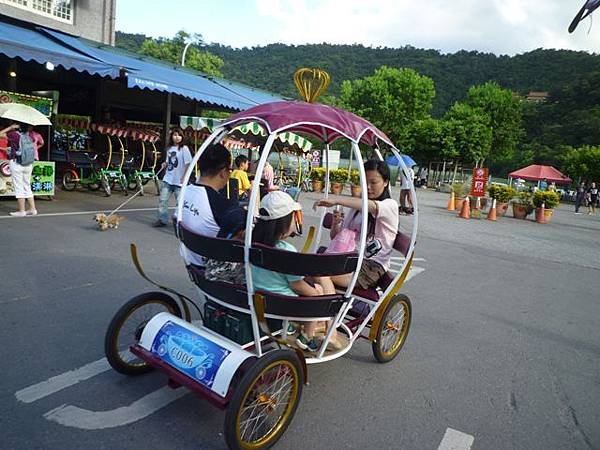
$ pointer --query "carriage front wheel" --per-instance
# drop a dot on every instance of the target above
(264, 402)
(393, 329)
(126, 329)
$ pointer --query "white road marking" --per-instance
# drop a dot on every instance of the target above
(73, 416)
(80, 213)
(402, 258)
(456, 440)
(62, 381)
(414, 271)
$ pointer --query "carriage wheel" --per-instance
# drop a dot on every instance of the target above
(69, 182)
(105, 185)
(126, 328)
(137, 185)
(264, 402)
(393, 329)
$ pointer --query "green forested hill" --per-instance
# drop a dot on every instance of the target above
(271, 67)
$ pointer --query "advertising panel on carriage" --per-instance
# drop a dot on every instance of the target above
(479, 181)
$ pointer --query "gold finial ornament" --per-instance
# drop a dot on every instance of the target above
(311, 83)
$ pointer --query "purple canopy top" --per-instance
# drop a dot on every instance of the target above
(321, 121)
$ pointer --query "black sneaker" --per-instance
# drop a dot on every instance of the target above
(291, 329)
(304, 343)
(159, 224)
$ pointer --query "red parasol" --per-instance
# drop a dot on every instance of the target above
(541, 173)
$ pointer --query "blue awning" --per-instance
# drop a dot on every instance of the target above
(30, 45)
(148, 73)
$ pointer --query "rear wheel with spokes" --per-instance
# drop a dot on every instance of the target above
(69, 181)
(264, 402)
(393, 329)
(105, 185)
(126, 329)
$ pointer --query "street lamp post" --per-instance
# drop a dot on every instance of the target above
(185, 51)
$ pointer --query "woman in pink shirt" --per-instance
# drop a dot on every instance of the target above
(383, 224)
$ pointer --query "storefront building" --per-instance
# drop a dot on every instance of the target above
(103, 85)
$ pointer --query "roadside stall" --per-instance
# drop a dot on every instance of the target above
(42, 179)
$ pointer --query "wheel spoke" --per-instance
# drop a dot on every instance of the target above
(131, 330)
(391, 335)
(270, 397)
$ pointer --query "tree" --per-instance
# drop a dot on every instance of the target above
(429, 141)
(504, 111)
(469, 129)
(392, 99)
(172, 49)
(583, 163)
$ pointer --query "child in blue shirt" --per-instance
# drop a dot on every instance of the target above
(277, 222)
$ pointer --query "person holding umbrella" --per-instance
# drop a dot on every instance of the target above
(22, 151)
(21, 154)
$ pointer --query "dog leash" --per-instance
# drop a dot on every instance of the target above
(132, 197)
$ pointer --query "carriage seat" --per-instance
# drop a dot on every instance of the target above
(275, 304)
(270, 258)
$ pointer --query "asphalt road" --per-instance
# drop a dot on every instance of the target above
(504, 346)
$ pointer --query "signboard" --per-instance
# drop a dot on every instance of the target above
(42, 179)
(42, 104)
(188, 352)
(479, 181)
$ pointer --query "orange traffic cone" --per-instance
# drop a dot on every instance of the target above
(492, 213)
(451, 203)
(465, 211)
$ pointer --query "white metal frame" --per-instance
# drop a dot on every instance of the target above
(216, 137)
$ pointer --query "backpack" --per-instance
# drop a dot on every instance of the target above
(26, 152)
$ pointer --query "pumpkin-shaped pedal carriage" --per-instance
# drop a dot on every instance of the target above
(240, 356)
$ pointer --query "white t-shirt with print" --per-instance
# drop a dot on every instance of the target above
(203, 210)
(177, 158)
(386, 227)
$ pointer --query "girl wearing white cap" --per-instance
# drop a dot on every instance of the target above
(276, 222)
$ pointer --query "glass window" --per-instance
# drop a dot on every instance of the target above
(56, 9)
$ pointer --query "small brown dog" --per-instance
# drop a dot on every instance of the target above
(105, 222)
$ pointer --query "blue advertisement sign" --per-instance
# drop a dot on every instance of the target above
(188, 352)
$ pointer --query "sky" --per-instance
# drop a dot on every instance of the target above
(496, 26)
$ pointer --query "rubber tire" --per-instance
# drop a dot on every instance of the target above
(105, 185)
(379, 355)
(123, 184)
(67, 183)
(119, 319)
(246, 382)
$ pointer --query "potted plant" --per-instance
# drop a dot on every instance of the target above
(549, 200)
(355, 183)
(317, 176)
(503, 195)
(522, 205)
(460, 191)
(337, 178)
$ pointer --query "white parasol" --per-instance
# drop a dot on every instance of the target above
(23, 113)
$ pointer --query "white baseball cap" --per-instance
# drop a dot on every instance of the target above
(277, 204)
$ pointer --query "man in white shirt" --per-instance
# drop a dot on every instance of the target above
(405, 201)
